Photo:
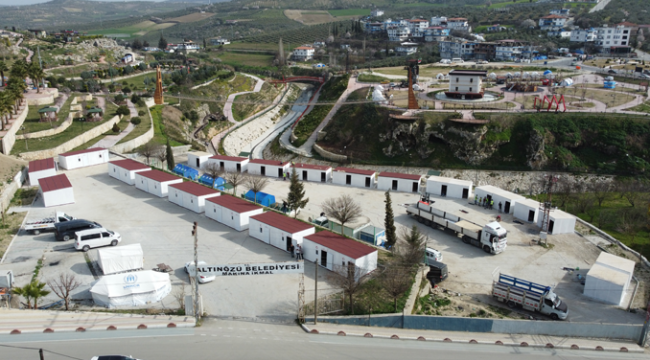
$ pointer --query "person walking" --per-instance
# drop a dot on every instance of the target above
(299, 252)
(475, 199)
(499, 206)
(284, 176)
(291, 250)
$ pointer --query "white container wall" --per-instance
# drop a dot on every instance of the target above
(454, 188)
(526, 210)
(269, 168)
(399, 182)
(506, 198)
(82, 158)
(197, 159)
(354, 177)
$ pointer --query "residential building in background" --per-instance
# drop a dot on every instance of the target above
(406, 48)
(303, 53)
(583, 35)
(376, 13)
(552, 22)
(613, 40)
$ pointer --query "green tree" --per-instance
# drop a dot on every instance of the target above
(122, 110)
(36, 291)
(170, 157)
(25, 293)
(3, 68)
(411, 250)
(389, 222)
(162, 43)
(296, 199)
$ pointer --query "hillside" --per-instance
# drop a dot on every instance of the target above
(564, 142)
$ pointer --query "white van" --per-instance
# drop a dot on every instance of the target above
(445, 61)
(457, 61)
(92, 238)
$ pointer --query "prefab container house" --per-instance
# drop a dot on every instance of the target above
(39, 169)
(155, 182)
(278, 230)
(196, 159)
(444, 186)
(399, 182)
(231, 211)
(309, 172)
(124, 170)
(270, 168)
(336, 253)
(354, 177)
(230, 163)
(526, 210)
(190, 195)
(81, 158)
(609, 278)
(559, 222)
(506, 198)
(56, 190)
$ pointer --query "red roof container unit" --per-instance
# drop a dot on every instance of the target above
(39, 169)
(231, 211)
(56, 190)
(278, 230)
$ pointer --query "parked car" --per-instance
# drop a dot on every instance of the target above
(203, 277)
(113, 357)
(64, 231)
(321, 221)
(438, 272)
(432, 255)
(93, 238)
(612, 71)
(445, 61)
(482, 62)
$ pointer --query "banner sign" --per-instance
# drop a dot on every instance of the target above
(290, 267)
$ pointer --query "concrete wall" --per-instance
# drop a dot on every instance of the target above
(71, 144)
(59, 129)
(140, 140)
(181, 150)
(76, 99)
(329, 155)
(10, 189)
(9, 139)
(448, 323)
(48, 98)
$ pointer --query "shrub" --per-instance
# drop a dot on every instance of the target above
(141, 113)
(135, 98)
(122, 110)
(119, 98)
(116, 128)
(136, 120)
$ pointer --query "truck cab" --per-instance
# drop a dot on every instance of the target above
(553, 306)
(494, 236)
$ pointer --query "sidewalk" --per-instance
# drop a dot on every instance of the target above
(516, 340)
(40, 321)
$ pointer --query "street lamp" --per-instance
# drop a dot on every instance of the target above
(24, 137)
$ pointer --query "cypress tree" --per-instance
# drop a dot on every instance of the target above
(296, 199)
(170, 157)
(389, 222)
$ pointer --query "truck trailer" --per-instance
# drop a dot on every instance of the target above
(529, 296)
(47, 224)
(490, 237)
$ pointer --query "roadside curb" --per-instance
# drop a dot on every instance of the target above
(54, 329)
(478, 342)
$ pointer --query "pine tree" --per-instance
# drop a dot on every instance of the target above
(389, 222)
(170, 157)
(162, 43)
(296, 198)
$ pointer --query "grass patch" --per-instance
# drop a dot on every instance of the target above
(159, 128)
(251, 59)
(10, 227)
(139, 129)
(137, 82)
(24, 196)
(645, 107)
(32, 121)
(372, 78)
(612, 99)
(90, 142)
(350, 12)
(249, 104)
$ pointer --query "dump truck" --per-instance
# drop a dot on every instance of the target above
(35, 227)
(530, 296)
(490, 237)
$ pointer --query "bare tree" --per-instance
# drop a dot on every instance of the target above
(161, 154)
(179, 295)
(602, 191)
(235, 179)
(348, 278)
(633, 191)
(630, 222)
(63, 287)
(343, 208)
(395, 281)
(563, 191)
(411, 250)
(148, 150)
(604, 217)
(256, 183)
(584, 200)
(214, 170)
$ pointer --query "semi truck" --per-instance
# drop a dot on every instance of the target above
(530, 296)
(490, 237)
(35, 227)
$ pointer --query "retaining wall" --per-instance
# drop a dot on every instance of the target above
(139, 141)
(78, 98)
(43, 99)
(9, 139)
(39, 134)
(9, 190)
(71, 144)
(448, 323)
(181, 150)
(329, 155)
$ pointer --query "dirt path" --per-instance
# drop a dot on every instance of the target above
(227, 107)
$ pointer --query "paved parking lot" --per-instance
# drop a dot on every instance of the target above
(164, 231)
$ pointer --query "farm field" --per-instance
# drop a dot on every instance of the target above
(251, 59)
(135, 30)
(192, 17)
(310, 17)
(253, 46)
(350, 12)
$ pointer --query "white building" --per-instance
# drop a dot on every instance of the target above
(527, 210)
(398, 182)
(219, 41)
(196, 159)
(39, 169)
(563, 12)
(231, 211)
(190, 195)
(230, 163)
(155, 182)
(610, 38)
(466, 84)
(583, 35)
(398, 33)
(609, 278)
(303, 53)
(406, 48)
(559, 222)
(124, 170)
(444, 186)
(279, 230)
(418, 27)
(56, 190)
(310, 172)
(506, 198)
(354, 177)
(438, 21)
(272, 168)
(564, 34)
(376, 13)
(459, 24)
(80, 158)
(550, 22)
(336, 253)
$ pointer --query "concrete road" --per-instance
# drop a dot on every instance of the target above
(243, 340)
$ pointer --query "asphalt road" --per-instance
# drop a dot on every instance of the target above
(245, 340)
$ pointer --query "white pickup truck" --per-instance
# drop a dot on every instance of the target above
(35, 227)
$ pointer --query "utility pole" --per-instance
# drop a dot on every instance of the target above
(195, 233)
(644, 332)
(316, 291)
(40, 353)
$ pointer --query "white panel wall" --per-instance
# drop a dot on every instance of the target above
(561, 225)
(522, 211)
(270, 170)
(192, 160)
(313, 174)
(141, 183)
(434, 187)
(465, 84)
(175, 196)
(191, 202)
(58, 197)
(35, 175)
(231, 166)
(481, 193)
(259, 230)
(403, 185)
(357, 180)
(213, 211)
(114, 171)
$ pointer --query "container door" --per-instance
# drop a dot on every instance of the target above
(238, 167)
(443, 190)
(465, 193)
(531, 215)
(289, 242)
(198, 163)
(263, 170)
(367, 182)
(506, 208)
(323, 258)
(323, 177)
(551, 223)
(280, 173)
(304, 175)
(394, 185)
(222, 165)
(415, 187)
(348, 179)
